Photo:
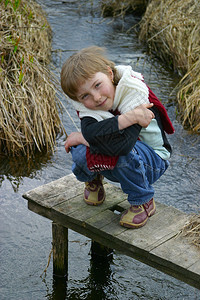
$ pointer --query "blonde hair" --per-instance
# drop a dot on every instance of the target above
(83, 65)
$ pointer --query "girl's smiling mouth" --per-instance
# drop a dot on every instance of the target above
(102, 103)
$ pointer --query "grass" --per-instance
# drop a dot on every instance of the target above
(29, 108)
(171, 30)
(191, 230)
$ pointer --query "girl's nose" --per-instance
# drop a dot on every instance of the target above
(96, 96)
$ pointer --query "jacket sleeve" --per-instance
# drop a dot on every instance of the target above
(104, 137)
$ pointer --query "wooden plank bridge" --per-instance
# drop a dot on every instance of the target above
(157, 244)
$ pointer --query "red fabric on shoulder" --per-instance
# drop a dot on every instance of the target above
(167, 124)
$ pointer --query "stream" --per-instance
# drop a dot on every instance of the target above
(26, 237)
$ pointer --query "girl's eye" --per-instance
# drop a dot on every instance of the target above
(98, 84)
(84, 96)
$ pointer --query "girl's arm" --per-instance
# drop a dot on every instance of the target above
(140, 115)
(115, 136)
(74, 139)
(104, 137)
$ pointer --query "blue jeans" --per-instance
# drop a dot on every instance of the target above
(136, 172)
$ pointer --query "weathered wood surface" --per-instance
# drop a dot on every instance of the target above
(60, 249)
(157, 244)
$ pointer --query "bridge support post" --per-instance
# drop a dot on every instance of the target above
(99, 250)
(60, 250)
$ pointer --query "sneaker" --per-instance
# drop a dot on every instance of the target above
(94, 193)
(137, 215)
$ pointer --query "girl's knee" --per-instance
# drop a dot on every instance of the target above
(79, 166)
(79, 154)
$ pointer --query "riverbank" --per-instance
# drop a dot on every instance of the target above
(171, 30)
(29, 114)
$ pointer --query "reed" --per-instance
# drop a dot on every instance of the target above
(191, 230)
(29, 108)
(117, 8)
(171, 30)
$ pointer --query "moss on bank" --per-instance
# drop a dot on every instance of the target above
(171, 30)
(29, 117)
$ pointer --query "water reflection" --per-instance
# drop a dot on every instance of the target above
(14, 169)
(59, 288)
(100, 278)
(95, 286)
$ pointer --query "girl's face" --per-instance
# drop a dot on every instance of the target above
(98, 92)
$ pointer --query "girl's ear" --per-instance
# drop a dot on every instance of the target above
(110, 72)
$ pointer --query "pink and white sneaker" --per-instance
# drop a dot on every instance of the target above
(137, 215)
(94, 193)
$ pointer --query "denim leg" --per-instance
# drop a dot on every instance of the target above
(79, 166)
(137, 171)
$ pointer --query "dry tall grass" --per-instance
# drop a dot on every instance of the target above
(172, 30)
(29, 117)
(118, 8)
(191, 230)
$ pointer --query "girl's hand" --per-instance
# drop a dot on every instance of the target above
(144, 115)
(141, 115)
(74, 139)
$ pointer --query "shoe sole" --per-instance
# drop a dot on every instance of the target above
(130, 225)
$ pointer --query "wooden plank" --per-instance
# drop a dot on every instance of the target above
(40, 210)
(159, 228)
(156, 244)
(148, 237)
(69, 194)
(108, 242)
(71, 205)
(177, 252)
(195, 268)
(112, 229)
(156, 231)
(58, 191)
(78, 212)
(100, 220)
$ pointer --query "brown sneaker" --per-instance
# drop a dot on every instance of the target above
(137, 215)
(94, 193)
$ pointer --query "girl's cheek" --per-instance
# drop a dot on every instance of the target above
(88, 104)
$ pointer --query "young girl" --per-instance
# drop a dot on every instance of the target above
(122, 136)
